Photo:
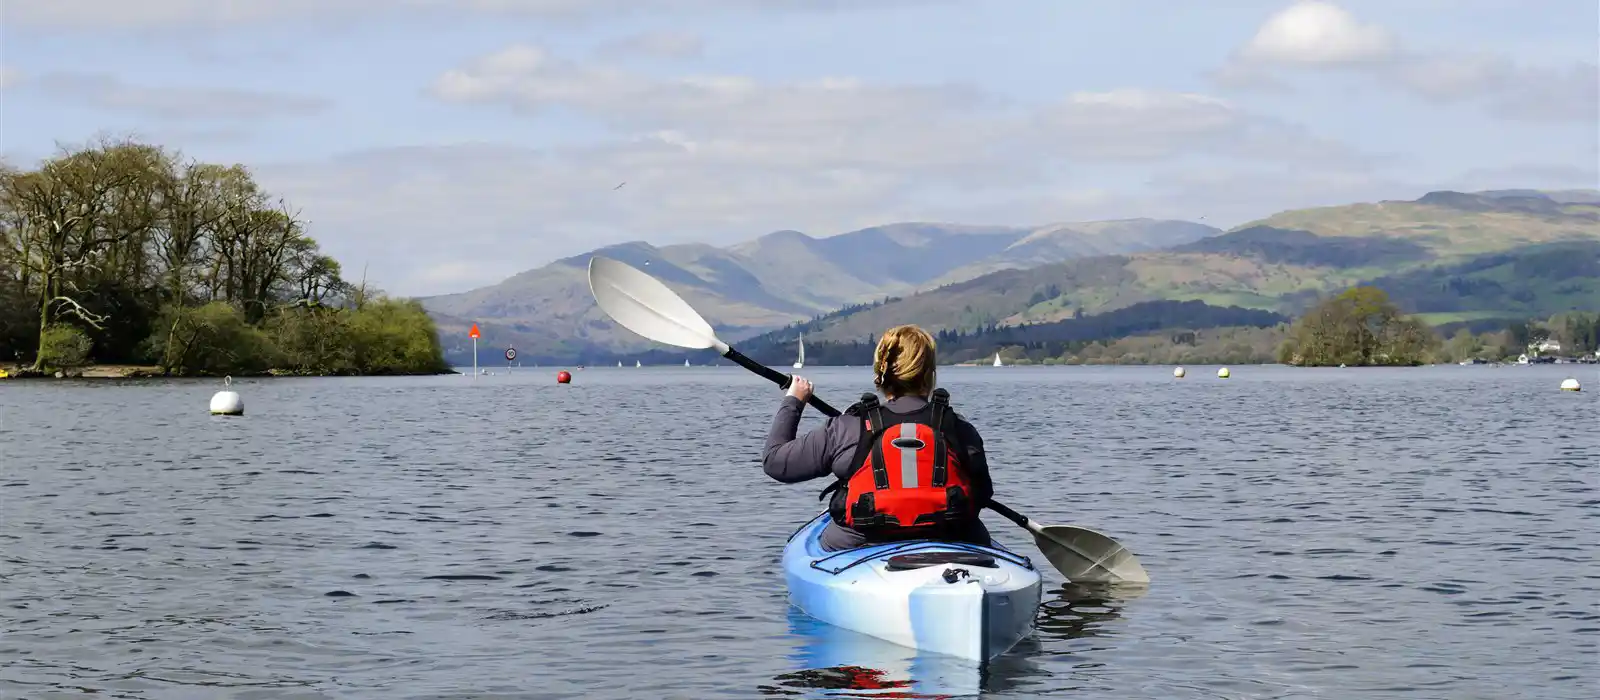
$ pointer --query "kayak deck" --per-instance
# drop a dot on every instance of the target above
(954, 598)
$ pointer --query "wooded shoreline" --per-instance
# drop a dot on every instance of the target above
(119, 371)
(122, 254)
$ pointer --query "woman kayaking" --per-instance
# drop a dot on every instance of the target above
(906, 468)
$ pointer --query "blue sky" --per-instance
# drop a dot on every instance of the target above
(446, 145)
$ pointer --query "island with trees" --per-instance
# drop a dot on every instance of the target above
(125, 253)
(1358, 328)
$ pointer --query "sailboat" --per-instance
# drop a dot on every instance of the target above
(636, 364)
(685, 362)
(619, 363)
(997, 360)
(801, 361)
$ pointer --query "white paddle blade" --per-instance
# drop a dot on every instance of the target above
(1085, 556)
(642, 304)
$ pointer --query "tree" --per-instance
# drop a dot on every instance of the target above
(154, 258)
(1359, 327)
(1463, 346)
(73, 220)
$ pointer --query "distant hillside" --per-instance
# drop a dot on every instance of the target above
(1459, 253)
(778, 348)
(1563, 196)
(1528, 282)
(766, 283)
(1070, 241)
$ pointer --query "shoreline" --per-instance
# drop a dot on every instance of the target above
(119, 371)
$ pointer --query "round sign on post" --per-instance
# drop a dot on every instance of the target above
(511, 354)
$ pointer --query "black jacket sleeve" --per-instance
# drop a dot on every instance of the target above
(977, 465)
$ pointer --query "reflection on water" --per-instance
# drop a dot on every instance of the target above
(847, 664)
(844, 678)
(1076, 610)
(844, 663)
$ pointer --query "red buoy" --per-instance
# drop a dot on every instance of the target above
(563, 377)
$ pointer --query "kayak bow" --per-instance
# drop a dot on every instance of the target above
(951, 598)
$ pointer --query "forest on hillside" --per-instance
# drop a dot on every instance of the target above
(121, 252)
(1179, 333)
(1034, 342)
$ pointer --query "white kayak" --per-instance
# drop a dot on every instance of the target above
(952, 598)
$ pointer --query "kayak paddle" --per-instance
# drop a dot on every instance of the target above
(1080, 554)
(642, 304)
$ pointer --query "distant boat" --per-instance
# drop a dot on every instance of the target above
(636, 364)
(997, 360)
(801, 362)
(685, 362)
(619, 363)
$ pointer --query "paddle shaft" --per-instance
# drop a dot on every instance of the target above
(1009, 514)
(782, 380)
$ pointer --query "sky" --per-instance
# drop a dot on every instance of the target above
(444, 145)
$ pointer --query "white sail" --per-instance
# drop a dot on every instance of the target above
(801, 361)
(997, 360)
(636, 364)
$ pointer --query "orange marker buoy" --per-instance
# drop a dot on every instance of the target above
(563, 377)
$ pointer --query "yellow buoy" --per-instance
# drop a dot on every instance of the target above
(1178, 373)
(1223, 373)
(1570, 384)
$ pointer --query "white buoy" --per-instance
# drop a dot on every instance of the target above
(1570, 384)
(1223, 373)
(227, 402)
(1178, 373)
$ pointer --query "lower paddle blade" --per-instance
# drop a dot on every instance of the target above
(642, 304)
(1086, 556)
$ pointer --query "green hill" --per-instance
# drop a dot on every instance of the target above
(1447, 253)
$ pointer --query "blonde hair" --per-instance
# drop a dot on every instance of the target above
(903, 363)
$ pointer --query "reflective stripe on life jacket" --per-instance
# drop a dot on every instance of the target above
(906, 479)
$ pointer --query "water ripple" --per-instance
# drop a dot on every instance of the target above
(1418, 533)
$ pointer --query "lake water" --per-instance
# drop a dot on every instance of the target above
(1375, 533)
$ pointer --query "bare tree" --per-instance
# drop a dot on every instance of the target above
(64, 210)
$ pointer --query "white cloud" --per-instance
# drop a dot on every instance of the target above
(719, 158)
(167, 102)
(839, 123)
(1320, 35)
(1506, 89)
(664, 44)
(1144, 125)
(160, 14)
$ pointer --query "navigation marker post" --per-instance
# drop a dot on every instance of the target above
(474, 334)
(511, 354)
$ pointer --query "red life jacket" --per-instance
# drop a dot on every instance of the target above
(907, 480)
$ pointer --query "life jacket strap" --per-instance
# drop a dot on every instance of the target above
(880, 468)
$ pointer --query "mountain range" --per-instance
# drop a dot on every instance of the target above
(772, 281)
(1453, 256)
